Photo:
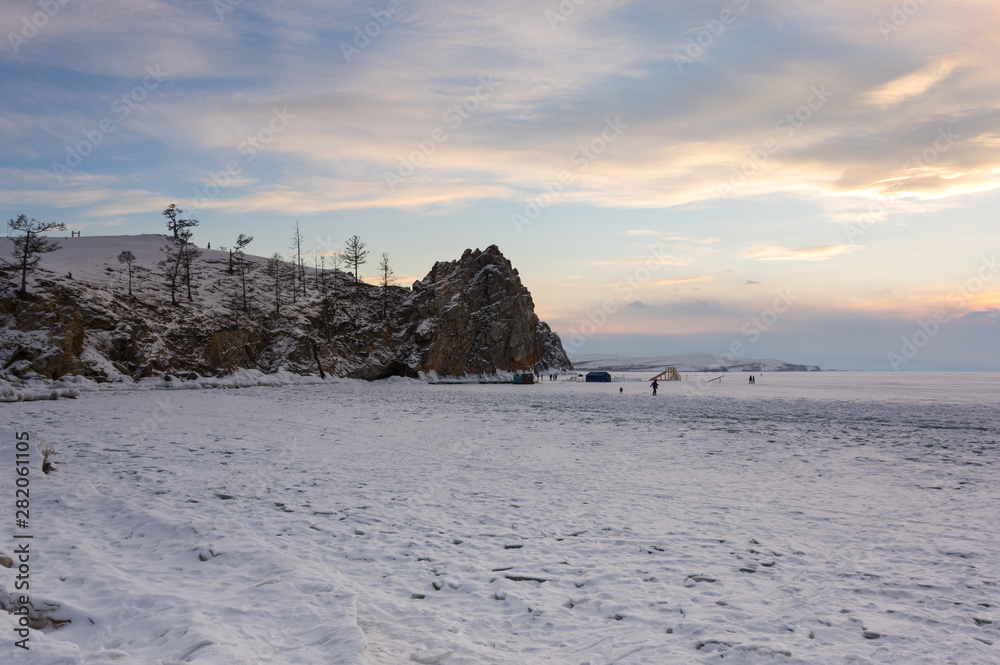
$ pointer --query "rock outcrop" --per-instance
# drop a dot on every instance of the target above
(475, 316)
(470, 316)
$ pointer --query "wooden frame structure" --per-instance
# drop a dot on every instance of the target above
(669, 374)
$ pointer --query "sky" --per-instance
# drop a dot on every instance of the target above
(814, 181)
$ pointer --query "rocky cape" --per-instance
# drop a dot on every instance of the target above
(472, 316)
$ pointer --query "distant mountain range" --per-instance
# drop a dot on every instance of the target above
(686, 362)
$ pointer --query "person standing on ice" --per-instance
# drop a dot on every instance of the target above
(654, 385)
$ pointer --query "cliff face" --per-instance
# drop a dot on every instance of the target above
(474, 316)
(469, 316)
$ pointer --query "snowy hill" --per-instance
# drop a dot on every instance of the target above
(687, 362)
(470, 316)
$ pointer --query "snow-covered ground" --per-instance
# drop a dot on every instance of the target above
(810, 518)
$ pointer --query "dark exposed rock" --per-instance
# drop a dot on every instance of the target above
(474, 316)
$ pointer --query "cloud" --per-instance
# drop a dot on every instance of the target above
(911, 85)
(649, 259)
(686, 132)
(780, 253)
(312, 195)
(690, 239)
(682, 280)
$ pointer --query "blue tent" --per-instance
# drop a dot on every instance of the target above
(598, 377)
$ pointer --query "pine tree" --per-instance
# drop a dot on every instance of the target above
(179, 252)
(233, 302)
(29, 247)
(241, 242)
(276, 270)
(173, 213)
(175, 223)
(355, 255)
(328, 305)
(300, 266)
(128, 258)
(189, 254)
(170, 265)
(177, 264)
(385, 270)
(243, 269)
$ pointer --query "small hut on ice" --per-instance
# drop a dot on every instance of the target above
(598, 377)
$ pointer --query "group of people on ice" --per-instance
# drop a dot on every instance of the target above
(655, 385)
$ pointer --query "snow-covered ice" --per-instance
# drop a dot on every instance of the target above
(810, 518)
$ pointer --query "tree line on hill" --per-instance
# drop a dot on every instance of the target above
(285, 279)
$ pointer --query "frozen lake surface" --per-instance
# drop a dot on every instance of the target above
(810, 518)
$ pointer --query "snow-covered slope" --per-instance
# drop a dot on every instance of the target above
(94, 260)
(687, 362)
